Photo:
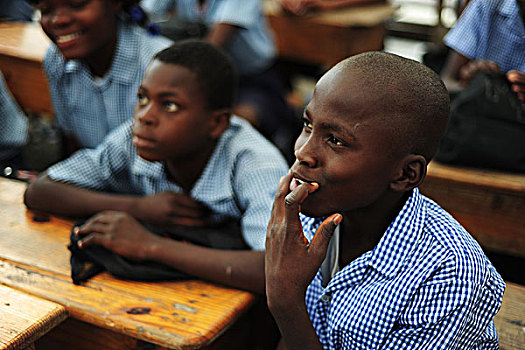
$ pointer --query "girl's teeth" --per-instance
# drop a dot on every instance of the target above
(66, 38)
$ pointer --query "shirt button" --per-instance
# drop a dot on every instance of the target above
(325, 298)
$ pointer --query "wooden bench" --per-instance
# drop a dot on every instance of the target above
(22, 49)
(25, 318)
(510, 320)
(489, 204)
(327, 38)
(176, 315)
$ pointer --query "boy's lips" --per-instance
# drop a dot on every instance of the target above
(66, 40)
(139, 141)
(297, 181)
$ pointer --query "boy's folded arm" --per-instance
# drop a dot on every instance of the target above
(65, 199)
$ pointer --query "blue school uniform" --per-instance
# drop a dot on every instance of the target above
(491, 30)
(13, 125)
(239, 180)
(426, 285)
(251, 48)
(89, 108)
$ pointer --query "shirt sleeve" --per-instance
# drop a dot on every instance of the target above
(466, 34)
(242, 13)
(105, 168)
(451, 314)
(255, 187)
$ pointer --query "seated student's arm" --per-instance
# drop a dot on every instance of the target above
(231, 16)
(254, 185)
(517, 80)
(291, 263)
(121, 233)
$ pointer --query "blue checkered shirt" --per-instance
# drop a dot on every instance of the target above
(239, 180)
(426, 285)
(491, 30)
(252, 47)
(13, 123)
(89, 108)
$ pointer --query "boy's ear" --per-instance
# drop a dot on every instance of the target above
(220, 121)
(411, 173)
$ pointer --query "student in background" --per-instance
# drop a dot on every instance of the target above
(356, 256)
(184, 161)
(240, 27)
(13, 132)
(15, 10)
(489, 35)
(94, 64)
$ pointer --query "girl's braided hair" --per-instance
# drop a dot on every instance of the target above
(132, 12)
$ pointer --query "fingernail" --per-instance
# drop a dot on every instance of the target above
(75, 230)
(79, 243)
(337, 219)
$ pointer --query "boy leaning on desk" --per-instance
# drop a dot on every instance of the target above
(183, 161)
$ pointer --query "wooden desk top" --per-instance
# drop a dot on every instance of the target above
(495, 180)
(181, 315)
(367, 15)
(510, 320)
(23, 40)
(25, 318)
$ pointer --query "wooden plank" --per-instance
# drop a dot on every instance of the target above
(510, 320)
(24, 318)
(328, 37)
(489, 204)
(22, 49)
(180, 315)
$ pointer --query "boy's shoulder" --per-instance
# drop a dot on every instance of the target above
(456, 246)
(244, 143)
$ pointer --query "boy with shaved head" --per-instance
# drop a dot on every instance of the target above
(356, 256)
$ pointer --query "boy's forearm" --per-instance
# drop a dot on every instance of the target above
(294, 323)
(64, 199)
(242, 269)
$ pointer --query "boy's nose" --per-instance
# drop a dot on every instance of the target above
(146, 115)
(304, 153)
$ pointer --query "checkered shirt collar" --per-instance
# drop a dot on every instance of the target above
(394, 247)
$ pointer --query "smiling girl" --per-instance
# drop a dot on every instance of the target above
(95, 64)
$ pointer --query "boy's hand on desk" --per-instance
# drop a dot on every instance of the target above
(291, 261)
(469, 70)
(168, 208)
(517, 80)
(118, 232)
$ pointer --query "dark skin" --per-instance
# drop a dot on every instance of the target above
(459, 69)
(174, 125)
(348, 172)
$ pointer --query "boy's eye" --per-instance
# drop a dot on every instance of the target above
(78, 4)
(334, 140)
(142, 100)
(307, 124)
(170, 107)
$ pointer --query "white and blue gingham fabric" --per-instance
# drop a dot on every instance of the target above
(239, 180)
(251, 48)
(426, 285)
(90, 108)
(13, 123)
(491, 30)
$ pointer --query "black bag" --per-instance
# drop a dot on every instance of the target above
(486, 127)
(90, 261)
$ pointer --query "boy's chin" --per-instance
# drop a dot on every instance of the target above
(149, 157)
(313, 211)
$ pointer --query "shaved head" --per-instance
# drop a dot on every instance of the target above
(410, 98)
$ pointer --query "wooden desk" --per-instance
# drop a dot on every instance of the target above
(175, 315)
(328, 37)
(489, 204)
(22, 49)
(510, 320)
(25, 318)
